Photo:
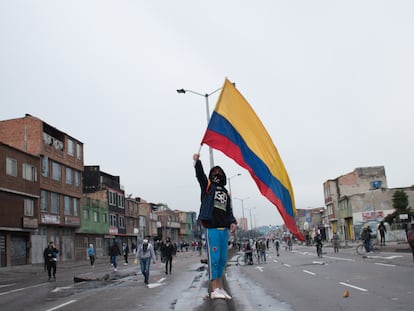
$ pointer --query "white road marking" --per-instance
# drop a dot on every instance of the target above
(339, 258)
(260, 268)
(383, 257)
(318, 262)
(353, 286)
(58, 289)
(384, 264)
(62, 305)
(5, 285)
(285, 264)
(21, 289)
(274, 260)
(309, 272)
(159, 283)
(391, 257)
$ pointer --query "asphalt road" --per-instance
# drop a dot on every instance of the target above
(299, 280)
(296, 280)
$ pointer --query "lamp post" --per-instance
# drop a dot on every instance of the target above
(251, 222)
(229, 180)
(206, 96)
(242, 200)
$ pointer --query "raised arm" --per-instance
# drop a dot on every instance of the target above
(200, 175)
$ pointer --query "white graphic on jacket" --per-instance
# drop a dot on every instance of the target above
(220, 199)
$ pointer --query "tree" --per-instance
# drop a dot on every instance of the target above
(400, 201)
(400, 204)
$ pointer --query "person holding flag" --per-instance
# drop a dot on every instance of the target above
(216, 216)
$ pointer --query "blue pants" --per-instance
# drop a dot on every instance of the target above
(216, 251)
(145, 268)
(114, 260)
(367, 245)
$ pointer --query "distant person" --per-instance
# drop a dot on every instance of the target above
(318, 243)
(114, 252)
(51, 255)
(382, 229)
(335, 242)
(91, 253)
(144, 254)
(366, 237)
(200, 247)
(125, 251)
(248, 253)
(277, 246)
(216, 216)
(168, 253)
(134, 248)
(289, 244)
(262, 250)
(410, 237)
(45, 259)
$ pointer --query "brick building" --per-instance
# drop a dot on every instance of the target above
(61, 167)
(19, 204)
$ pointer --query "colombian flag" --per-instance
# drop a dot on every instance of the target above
(235, 130)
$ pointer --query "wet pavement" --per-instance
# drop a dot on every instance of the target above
(190, 273)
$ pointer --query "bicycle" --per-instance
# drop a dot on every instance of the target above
(360, 248)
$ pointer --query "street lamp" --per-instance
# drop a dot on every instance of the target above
(242, 200)
(229, 180)
(251, 223)
(206, 96)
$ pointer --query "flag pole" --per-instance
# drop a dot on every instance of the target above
(199, 150)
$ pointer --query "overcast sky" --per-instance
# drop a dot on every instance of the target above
(332, 82)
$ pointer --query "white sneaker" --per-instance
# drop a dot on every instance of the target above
(217, 294)
(115, 269)
(225, 293)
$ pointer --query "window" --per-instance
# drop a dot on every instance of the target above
(120, 201)
(28, 207)
(121, 222)
(112, 198)
(67, 205)
(75, 207)
(71, 147)
(68, 175)
(77, 179)
(104, 218)
(11, 167)
(85, 214)
(79, 151)
(43, 201)
(29, 172)
(45, 166)
(95, 216)
(113, 220)
(56, 171)
(55, 203)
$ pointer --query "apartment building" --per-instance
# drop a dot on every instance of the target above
(189, 231)
(61, 164)
(343, 193)
(134, 222)
(19, 204)
(113, 195)
(94, 224)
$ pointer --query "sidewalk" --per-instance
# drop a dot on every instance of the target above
(401, 246)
